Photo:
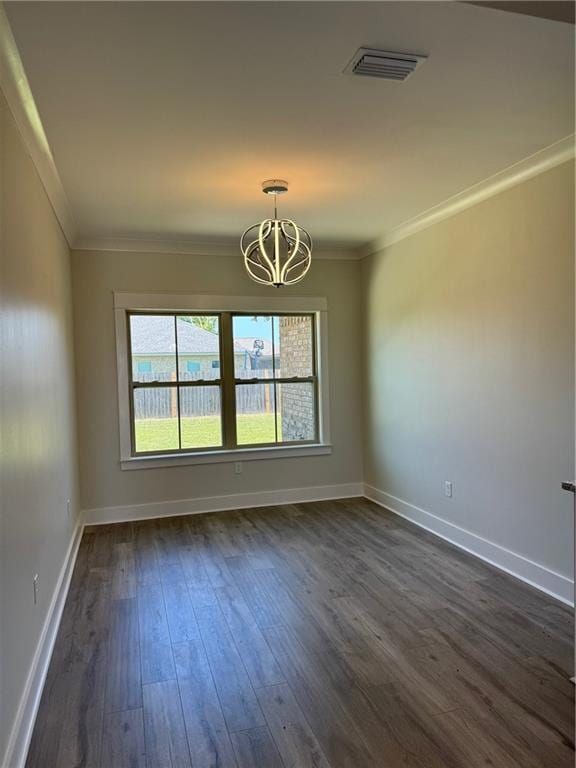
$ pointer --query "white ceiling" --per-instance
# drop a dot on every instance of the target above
(164, 117)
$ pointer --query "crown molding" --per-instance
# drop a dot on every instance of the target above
(16, 89)
(203, 247)
(543, 160)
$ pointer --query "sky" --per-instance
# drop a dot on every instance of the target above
(258, 329)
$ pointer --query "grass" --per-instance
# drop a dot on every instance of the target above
(202, 432)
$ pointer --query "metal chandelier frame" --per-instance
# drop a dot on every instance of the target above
(277, 251)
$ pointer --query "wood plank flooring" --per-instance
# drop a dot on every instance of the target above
(326, 635)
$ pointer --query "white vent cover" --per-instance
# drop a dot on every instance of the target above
(387, 65)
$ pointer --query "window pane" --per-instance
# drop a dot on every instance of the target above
(252, 346)
(201, 422)
(255, 414)
(296, 412)
(198, 347)
(153, 347)
(156, 419)
(293, 346)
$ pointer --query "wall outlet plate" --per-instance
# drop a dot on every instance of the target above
(448, 488)
(238, 467)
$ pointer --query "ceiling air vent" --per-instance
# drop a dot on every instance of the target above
(387, 65)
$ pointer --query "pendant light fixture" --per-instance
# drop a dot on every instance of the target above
(276, 251)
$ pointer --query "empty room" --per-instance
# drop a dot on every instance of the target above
(287, 378)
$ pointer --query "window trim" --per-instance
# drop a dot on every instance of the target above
(204, 303)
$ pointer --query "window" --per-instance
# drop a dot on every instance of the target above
(222, 381)
(276, 395)
(175, 410)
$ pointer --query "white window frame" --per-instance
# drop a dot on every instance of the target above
(198, 303)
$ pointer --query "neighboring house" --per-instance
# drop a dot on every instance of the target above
(154, 346)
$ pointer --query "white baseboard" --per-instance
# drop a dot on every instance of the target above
(535, 574)
(220, 503)
(21, 733)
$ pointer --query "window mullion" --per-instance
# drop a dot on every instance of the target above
(315, 369)
(131, 387)
(228, 383)
(177, 383)
(275, 386)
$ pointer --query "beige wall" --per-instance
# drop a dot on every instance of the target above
(96, 275)
(37, 449)
(470, 368)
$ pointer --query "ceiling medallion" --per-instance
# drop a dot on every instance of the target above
(276, 251)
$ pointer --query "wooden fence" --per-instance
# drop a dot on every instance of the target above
(162, 403)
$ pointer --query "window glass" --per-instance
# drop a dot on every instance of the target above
(255, 414)
(153, 336)
(293, 345)
(199, 339)
(295, 411)
(200, 417)
(253, 346)
(156, 419)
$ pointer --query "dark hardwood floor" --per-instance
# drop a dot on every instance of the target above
(327, 635)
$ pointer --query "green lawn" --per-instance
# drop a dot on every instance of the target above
(202, 432)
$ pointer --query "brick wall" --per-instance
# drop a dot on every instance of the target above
(296, 404)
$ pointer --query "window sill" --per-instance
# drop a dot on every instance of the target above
(223, 457)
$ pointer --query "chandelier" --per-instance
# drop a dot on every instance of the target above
(276, 251)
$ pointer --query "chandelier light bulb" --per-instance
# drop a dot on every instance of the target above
(277, 251)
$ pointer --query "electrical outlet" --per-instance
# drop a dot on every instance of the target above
(448, 488)
(35, 581)
(68, 508)
(238, 467)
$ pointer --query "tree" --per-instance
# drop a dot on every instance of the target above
(207, 323)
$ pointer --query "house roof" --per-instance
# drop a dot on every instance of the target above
(154, 335)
